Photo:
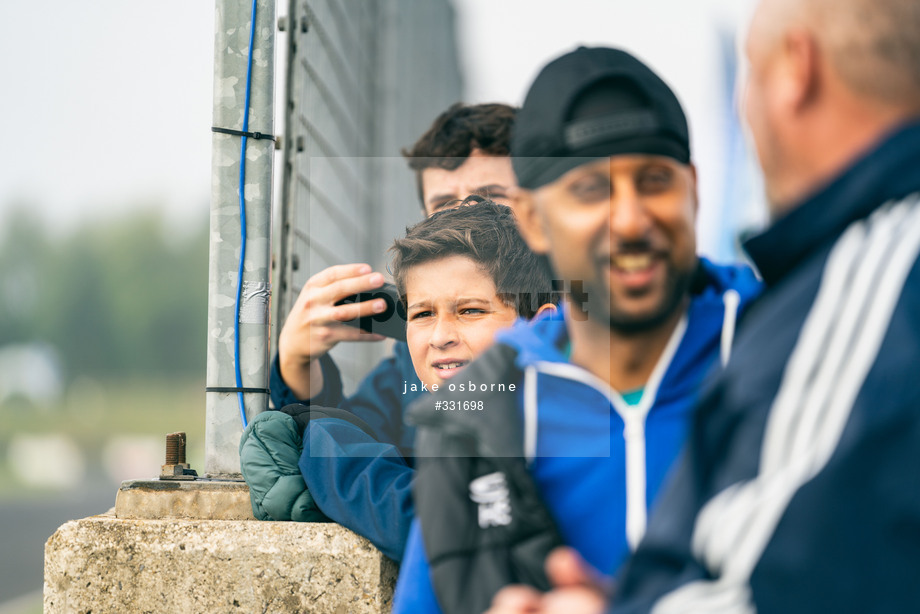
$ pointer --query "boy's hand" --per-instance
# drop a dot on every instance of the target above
(314, 325)
(577, 590)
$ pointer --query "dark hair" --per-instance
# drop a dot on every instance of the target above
(486, 233)
(456, 132)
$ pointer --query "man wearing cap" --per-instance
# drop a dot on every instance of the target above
(603, 390)
(800, 487)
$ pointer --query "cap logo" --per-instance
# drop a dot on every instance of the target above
(627, 124)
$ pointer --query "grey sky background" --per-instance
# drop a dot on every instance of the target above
(108, 103)
(107, 106)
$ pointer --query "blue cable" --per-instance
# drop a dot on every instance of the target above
(239, 276)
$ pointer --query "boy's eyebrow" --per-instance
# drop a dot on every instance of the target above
(459, 301)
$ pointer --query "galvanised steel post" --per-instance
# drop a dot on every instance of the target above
(231, 53)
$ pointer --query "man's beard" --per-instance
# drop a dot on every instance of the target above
(676, 287)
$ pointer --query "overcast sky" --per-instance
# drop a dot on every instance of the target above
(107, 104)
(103, 111)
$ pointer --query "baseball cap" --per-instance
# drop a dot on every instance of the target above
(591, 103)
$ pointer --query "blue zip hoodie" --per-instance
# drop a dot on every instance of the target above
(597, 461)
(361, 480)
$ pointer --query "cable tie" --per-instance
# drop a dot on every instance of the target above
(235, 389)
(252, 135)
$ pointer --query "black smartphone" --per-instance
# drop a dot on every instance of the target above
(391, 322)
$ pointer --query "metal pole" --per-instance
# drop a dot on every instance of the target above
(223, 425)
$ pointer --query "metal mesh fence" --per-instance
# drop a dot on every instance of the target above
(365, 78)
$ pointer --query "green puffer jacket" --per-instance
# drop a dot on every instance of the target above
(269, 451)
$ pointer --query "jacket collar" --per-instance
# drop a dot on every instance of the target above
(546, 338)
(542, 340)
(889, 171)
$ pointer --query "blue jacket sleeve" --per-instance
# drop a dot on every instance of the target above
(383, 395)
(360, 483)
(414, 592)
(330, 396)
(379, 400)
(363, 480)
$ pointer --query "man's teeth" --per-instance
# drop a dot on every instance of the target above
(632, 262)
(450, 365)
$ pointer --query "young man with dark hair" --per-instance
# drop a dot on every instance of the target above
(604, 391)
(464, 152)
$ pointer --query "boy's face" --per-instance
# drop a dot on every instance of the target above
(453, 312)
(480, 174)
(624, 227)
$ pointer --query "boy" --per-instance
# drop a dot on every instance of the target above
(462, 274)
(464, 152)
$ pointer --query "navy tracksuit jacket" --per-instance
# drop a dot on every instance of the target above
(800, 490)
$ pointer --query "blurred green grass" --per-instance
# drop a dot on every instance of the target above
(91, 412)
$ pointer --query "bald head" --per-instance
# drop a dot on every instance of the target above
(828, 79)
(874, 45)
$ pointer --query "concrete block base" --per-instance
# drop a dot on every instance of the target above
(200, 498)
(109, 564)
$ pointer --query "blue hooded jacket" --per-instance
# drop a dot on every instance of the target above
(597, 461)
(362, 481)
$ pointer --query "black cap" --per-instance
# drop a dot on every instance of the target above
(592, 103)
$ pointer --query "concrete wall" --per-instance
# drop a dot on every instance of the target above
(108, 564)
